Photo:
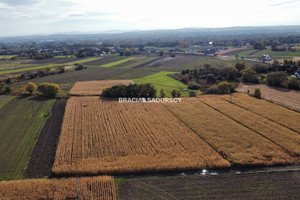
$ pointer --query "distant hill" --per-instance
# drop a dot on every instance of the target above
(174, 33)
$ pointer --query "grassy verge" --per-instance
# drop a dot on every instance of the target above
(21, 122)
(161, 80)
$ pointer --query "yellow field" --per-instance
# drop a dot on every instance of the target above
(95, 88)
(107, 137)
(97, 188)
(268, 110)
(235, 137)
(280, 135)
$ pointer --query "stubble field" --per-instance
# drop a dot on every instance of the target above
(97, 188)
(107, 137)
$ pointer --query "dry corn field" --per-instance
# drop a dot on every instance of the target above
(240, 135)
(97, 188)
(107, 137)
(271, 111)
(95, 88)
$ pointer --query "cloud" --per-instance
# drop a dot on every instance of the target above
(284, 3)
(75, 14)
(5, 6)
(20, 2)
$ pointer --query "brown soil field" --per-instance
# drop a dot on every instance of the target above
(173, 62)
(97, 188)
(274, 112)
(106, 137)
(43, 155)
(231, 51)
(283, 96)
(279, 185)
(52, 60)
(95, 88)
(241, 145)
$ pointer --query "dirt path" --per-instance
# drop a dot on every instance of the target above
(43, 155)
(282, 96)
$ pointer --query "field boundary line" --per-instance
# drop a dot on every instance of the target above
(221, 153)
(249, 128)
(264, 116)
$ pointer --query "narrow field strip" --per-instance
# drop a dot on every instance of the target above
(235, 142)
(96, 188)
(117, 62)
(107, 137)
(278, 134)
(276, 113)
(49, 65)
(95, 88)
(5, 99)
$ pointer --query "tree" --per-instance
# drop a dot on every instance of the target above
(257, 93)
(162, 93)
(192, 93)
(173, 93)
(194, 86)
(161, 53)
(240, 66)
(249, 76)
(211, 79)
(31, 87)
(224, 88)
(49, 89)
(178, 93)
(276, 78)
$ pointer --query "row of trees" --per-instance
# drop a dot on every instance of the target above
(130, 91)
(45, 89)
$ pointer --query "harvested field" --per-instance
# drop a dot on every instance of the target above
(239, 144)
(91, 88)
(280, 135)
(107, 137)
(278, 114)
(231, 51)
(43, 155)
(283, 96)
(97, 188)
(52, 60)
(279, 185)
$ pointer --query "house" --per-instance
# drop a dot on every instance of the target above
(266, 57)
(297, 74)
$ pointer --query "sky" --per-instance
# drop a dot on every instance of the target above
(30, 17)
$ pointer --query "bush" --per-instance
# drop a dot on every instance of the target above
(211, 79)
(31, 87)
(257, 93)
(192, 93)
(276, 78)
(240, 66)
(162, 93)
(130, 91)
(194, 86)
(260, 69)
(212, 90)
(173, 93)
(4, 88)
(178, 93)
(294, 84)
(79, 66)
(249, 76)
(224, 88)
(49, 89)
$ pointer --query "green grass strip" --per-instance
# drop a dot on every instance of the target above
(161, 80)
(117, 62)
